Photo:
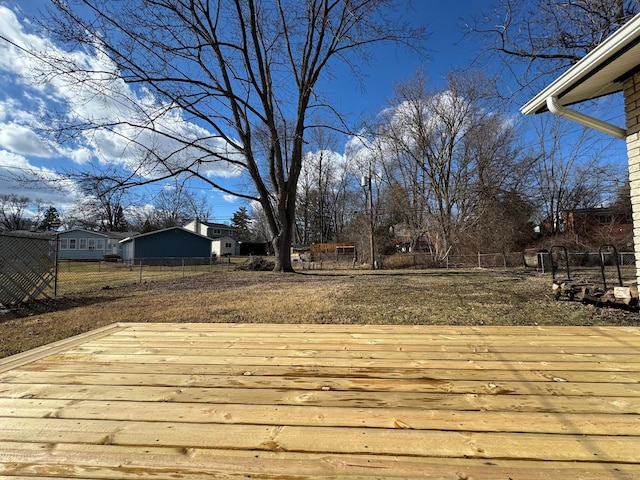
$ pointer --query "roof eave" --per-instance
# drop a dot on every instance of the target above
(602, 55)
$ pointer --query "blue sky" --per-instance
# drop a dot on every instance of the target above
(447, 48)
(22, 104)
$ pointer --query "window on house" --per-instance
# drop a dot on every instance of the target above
(605, 219)
(64, 244)
(83, 244)
(73, 243)
(91, 244)
(216, 231)
(227, 245)
(99, 244)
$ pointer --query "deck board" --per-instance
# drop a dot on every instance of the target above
(325, 401)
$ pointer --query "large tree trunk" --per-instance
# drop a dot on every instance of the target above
(282, 244)
(281, 219)
(252, 70)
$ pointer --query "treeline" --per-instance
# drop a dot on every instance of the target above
(451, 173)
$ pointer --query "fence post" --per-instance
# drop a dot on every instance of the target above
(479, 261)
(140, 275)
(56, 264)
(183, 268)
(504, 260)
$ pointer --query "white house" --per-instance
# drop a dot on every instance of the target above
(223, 246)
(223, 237)
(211, 229)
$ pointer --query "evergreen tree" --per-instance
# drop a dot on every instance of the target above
(242, 221)
(121, 224)
(51, 220)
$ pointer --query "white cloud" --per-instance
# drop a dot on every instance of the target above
(12, 59)
(230, 198)
(22, 140)
(18, 176)
(101, 98)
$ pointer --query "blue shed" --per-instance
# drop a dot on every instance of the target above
(174, 242)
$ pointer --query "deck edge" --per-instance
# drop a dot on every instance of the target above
(28, 356)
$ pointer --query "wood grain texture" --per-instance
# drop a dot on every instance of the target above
(325, 401)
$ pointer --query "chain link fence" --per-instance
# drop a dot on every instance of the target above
(426, 260)
(75, 276)
(41, 276)
(604, 267)
(586, 265)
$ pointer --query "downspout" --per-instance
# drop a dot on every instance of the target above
(585, 120)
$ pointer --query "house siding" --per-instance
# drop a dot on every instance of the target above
(211, 230)
(631, 88)
(86, 245)
(223, 246)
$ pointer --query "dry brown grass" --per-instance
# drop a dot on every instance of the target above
(477, 297)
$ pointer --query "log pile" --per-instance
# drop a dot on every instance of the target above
(256, 264)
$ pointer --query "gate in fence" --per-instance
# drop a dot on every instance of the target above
(27, 268)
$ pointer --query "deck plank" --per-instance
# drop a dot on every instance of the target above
(450, 444)
(338, 372)
(419, 385)
(87, 461)
(325, 401)
(444, 401)
(406, 418)
(535, 363)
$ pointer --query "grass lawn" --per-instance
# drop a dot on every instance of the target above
(437, 297)
(77, 277)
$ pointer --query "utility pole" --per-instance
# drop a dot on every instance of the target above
(365, 182)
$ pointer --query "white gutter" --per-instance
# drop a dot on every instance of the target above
(587, 66)
(554, 107)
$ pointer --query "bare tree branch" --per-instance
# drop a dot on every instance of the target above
(242, 73)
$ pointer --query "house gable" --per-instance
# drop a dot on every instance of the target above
(211, 229)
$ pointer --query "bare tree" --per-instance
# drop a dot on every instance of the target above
(569, 178)
(536, 38)
(103, 205)
(446, 152)
(14, 211)
(324, 186)
(259, 226)
(175, 205)
(247, 71)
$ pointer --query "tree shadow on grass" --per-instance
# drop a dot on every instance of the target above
(48, 305)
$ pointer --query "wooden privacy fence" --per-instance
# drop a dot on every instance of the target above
(27, 268)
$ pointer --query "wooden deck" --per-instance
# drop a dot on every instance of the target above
(196, 401)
